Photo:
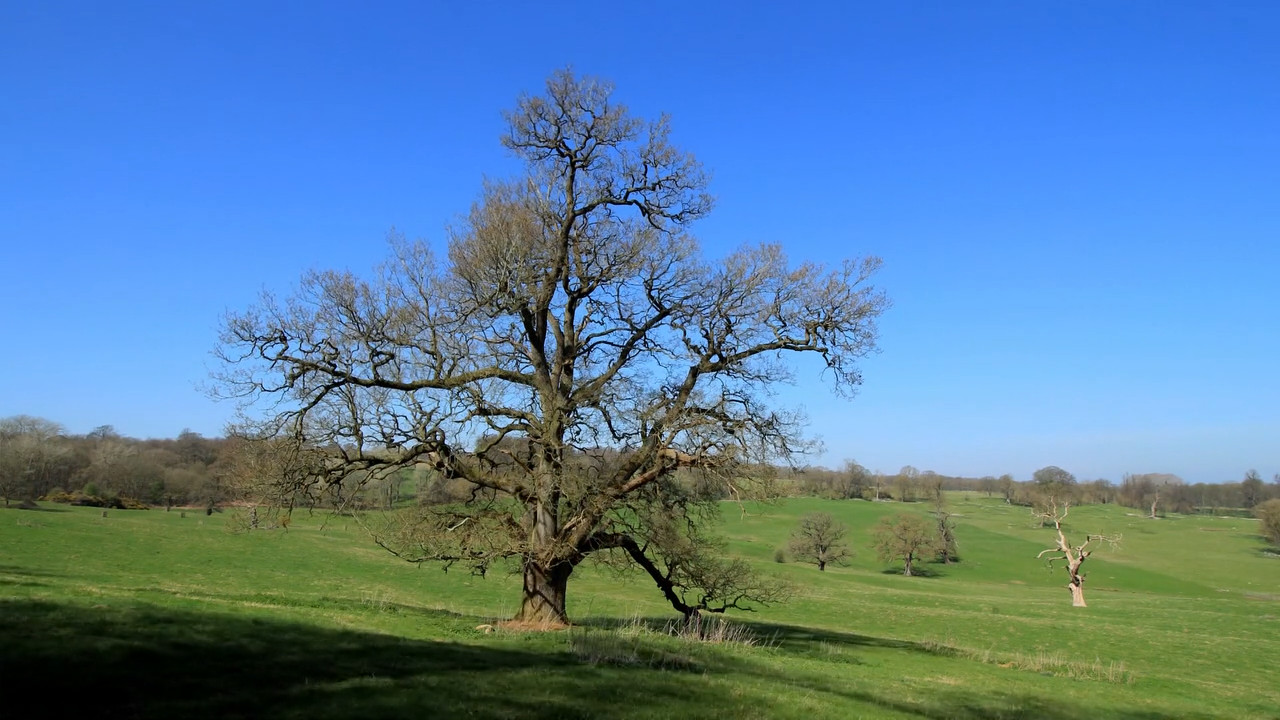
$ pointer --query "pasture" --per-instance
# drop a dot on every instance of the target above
(150, 614)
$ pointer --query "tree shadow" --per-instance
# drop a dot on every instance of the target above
(958, 704)
(794, 639)
(917, 571)
(24, 577)
(23, 583)
(37, 508)
(939, 702)
(24, 571)
(144, 661)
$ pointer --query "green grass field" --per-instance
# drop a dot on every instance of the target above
(149, 614)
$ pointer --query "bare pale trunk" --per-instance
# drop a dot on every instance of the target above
(1076, 586)
(1077, 595)
(1074, 556)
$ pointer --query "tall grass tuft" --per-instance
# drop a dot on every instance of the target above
(670, 646)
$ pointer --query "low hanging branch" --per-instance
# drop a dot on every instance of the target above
(1072, 555)
(694, 582)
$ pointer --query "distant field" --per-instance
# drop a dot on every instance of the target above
(149, 614)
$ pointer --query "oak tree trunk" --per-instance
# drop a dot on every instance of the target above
(544, 594)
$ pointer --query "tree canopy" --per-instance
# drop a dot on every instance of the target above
(819, 539)
(906, 537)
(572, 359)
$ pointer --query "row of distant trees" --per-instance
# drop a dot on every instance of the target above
(1154, 493)
(38, 458)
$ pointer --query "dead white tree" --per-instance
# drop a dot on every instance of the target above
(1073, 556)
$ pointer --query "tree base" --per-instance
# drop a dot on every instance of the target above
(1077, 595)
(525, 626)
(543, 605)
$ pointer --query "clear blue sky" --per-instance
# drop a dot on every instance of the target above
(1077, 202)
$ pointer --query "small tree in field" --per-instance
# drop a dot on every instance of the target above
(1252, 488)
(1007, 487)
(907, 538)
(1269, 513)
(820, 540)
(1072, 555)
(948, 551)
(904, 484)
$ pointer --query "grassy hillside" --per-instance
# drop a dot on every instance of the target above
(150, 614)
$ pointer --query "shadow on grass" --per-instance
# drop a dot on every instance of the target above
(942, 701)
(1266, 548)
(25, 571)
(841, 648)
(37, 508)
(917, 572)
(23, 583)
(953, 704)
(793, 639)
(23, 577)
(144, 661)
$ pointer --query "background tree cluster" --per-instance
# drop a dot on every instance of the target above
(38, 458)
(853, 481)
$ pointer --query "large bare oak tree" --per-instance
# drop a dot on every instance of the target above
(573, 360)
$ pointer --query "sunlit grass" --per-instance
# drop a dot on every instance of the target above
(150, 614)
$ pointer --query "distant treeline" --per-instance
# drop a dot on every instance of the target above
(39, 459)
(1151, 492)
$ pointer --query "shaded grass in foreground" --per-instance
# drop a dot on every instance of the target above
(138, 660)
